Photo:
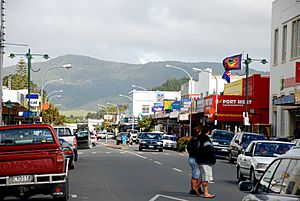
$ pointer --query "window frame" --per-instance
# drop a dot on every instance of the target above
(295, 39)
(284, 43)
(275, 52)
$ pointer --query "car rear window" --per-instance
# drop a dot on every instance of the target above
(223, 135)
(63, 132)
(25, 136)
(151, 136)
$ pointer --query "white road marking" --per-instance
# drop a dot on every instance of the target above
(165, 196)
(73, 196)
(158, 162)
(107, 152)
(94, 152)
(177, 170)
(138, 155)
(167, 154)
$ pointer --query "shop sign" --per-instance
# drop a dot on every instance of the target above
(234, 102)
(200, 105)
(157, 109)
(174, 114)
(168, 104)
(297, 97)
(297, 72)
(284, 100)
(184, 117)
(160, 97)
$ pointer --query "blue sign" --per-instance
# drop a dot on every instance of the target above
(176, 105)
(33, 96)
(157, 104)
(185, 100)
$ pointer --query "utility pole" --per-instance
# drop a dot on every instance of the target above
(28, 55)
(1, 57)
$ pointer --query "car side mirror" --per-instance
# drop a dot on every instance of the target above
(247, 153)
(245, 186)
(237, 141)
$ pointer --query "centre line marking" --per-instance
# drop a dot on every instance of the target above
(177, 170)
(157, 162)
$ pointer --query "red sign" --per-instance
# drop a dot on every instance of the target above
(297, 72)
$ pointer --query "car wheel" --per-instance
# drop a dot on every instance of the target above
(160, 150)
(140, 149)
(230, 159)
(239, 174)
(72, 166)
(252, 177)
(2, 197)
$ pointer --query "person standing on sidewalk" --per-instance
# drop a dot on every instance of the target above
(192, 150)
(206, 159)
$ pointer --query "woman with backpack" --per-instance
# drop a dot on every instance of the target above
(206, 159)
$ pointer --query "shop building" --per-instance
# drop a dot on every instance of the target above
(284, 100)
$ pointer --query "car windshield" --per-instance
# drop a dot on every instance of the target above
(25, 136)
(247, 138)
(82, 134)
(63, 131)
(266, 149)
(170, 138)
(223, 135)
(151, 136)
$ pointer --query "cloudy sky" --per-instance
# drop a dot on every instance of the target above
(139, 31)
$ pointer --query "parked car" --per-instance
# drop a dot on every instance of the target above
(151, 141)
(133, 135)
(257, 156)
(66, 134)
(36, 163)
(93, 139)
(169, 141)
(119, 138)
(84, 139)
(138, 137)
(221, 140)
(239, 143)
(296, 142)
(101, 135)
(68, 152)
(280, 181)
(110, 135)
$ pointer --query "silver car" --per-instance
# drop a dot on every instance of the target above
(280, 181)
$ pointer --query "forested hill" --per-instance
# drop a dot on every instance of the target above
(91, 81)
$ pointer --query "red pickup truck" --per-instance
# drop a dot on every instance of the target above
(32, 162)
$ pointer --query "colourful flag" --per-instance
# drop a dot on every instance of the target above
(233, 62)
(226, 76)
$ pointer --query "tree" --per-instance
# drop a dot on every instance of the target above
(171, 85)
(20, 77)
(147, 124)
(52, 116)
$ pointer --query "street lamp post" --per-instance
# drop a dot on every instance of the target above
(106, 108)
(191, 80)
(53, 92)
(121, 95)
(66, 66)
(216, 94)
(55, 96)
(247, 61)
(28, 55)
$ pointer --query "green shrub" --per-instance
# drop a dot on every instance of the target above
(182, 142)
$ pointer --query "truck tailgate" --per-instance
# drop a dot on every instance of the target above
(28, 162)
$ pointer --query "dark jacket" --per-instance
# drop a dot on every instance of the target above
(205, 151)
(192, 147)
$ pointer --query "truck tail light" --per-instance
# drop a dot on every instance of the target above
(68, 152)
(60, 160)
(75, 142)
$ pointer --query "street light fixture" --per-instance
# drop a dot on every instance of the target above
(191, 80)
(66, 66)
(53, 92)
(121, 95)
(28, 55)
(216, 93)
(143, 88)
(118, 116)
(55, 96)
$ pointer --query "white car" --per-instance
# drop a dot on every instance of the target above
(169, 141)
(101, 135)
(257, 156)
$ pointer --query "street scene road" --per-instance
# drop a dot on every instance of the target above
(107, 172)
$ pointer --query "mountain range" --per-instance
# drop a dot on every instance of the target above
(92, 81)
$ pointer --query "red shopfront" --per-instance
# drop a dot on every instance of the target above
(231, 109)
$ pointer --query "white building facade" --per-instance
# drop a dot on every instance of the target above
(285, 68)
(143, 101)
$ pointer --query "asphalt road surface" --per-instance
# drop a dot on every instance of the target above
(109, 173)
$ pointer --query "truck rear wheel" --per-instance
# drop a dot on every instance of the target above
(65, 197)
